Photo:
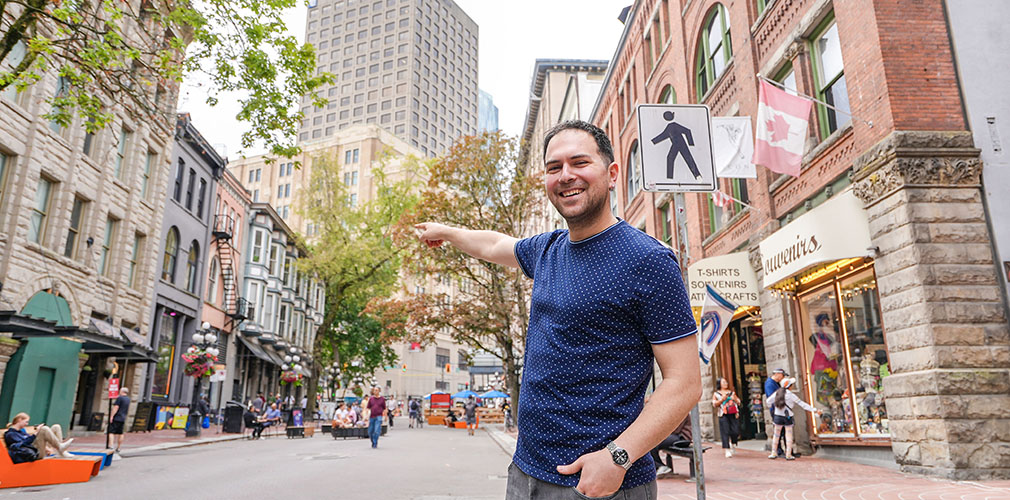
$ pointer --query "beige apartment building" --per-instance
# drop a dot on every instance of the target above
(409, 66)
(359, 149)
(561, 89)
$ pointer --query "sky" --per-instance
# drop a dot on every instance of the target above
(511, 40)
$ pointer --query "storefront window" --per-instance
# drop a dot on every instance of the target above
(845, 360)
(166, 355)
(826, 376)
(867, 352)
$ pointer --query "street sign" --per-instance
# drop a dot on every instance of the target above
(676, 147)
(113, 388)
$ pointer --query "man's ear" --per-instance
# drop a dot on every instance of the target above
(613, 170)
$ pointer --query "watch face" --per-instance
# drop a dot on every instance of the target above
(620, 457)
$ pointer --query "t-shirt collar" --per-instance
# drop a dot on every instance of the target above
(597, 235)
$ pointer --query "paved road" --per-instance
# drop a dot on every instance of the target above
(421, 464)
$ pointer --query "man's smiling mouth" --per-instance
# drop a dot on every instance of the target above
(571, 192)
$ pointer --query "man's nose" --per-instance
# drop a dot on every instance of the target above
(567, 173)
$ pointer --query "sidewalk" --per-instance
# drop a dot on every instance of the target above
(135, 443)
(750, 475)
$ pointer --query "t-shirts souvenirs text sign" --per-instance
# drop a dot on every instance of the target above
(731, 275)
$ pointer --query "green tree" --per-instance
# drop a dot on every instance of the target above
(478, 184)
(355, 255)
(132, 55)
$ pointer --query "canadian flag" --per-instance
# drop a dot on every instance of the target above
(721, 199)
(781, 129)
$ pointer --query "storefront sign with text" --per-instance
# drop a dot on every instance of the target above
(837, 229)
(731, 275)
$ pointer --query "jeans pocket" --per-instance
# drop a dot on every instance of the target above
(579, 495)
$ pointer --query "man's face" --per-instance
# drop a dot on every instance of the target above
(777, 377)
(577, 180)
(375, 391)
(273, 406)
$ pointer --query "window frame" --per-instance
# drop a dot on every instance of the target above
(125, 135)
(213, 269)
(826, 115)
(42, 212)
(703, 59)
(193, 267)
(138, 242)
(74, 228)
(108, 240)
(170, 255)
(634, 179)
(145, 177)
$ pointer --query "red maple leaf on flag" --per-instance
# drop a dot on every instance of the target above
(778, 127)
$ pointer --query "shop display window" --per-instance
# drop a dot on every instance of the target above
(867, 352)
(845, 357)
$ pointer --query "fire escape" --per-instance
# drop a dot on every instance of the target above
(235, 307)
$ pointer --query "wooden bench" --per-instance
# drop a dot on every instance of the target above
(103, 453)
(47, 470)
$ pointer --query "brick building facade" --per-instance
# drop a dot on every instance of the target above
(902, 344)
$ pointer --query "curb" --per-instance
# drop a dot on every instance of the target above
(506, 442)
(177, 444)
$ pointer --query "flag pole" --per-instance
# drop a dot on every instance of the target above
(752, 207)
(818, 101)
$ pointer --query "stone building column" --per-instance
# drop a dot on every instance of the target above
(948, 395)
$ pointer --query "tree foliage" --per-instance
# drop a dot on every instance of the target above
(355, 255)
(478, 184)
(132, 55)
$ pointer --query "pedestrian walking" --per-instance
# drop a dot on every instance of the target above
(117, 420)
(727, 406)
(257, 403)
(414, 408)
(376, 411)
(772, 385)
(391, 411)
(782, 403)
(608, 302)
(470, 412)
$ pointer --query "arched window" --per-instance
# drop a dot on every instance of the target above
(634, 173)
(171, 253)
(192, 263)
(714, 49)
(668, 95)
(212, 281)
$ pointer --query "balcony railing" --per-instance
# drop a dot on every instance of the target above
(224, 226)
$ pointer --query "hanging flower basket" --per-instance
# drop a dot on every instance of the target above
(199, 363)
(290, 377)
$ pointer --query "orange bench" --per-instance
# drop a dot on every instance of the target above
(46, 471)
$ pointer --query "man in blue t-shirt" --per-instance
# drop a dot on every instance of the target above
(607, 301)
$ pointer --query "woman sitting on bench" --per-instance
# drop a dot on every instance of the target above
(28, 446)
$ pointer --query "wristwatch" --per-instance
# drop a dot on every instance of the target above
(619, 455)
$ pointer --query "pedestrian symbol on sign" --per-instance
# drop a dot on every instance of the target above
(676, 148)
(680, 138)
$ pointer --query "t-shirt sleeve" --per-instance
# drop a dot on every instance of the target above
(665, 307)
(529, 250)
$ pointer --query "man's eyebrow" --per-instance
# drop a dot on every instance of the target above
(577, 156)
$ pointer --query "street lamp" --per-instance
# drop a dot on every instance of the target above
(204, 341)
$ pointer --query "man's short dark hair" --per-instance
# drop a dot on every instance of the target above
(602, 141)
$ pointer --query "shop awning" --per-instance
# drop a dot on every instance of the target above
(731, 275)
(275, 358)
(50, 307)
(837, 229)
(255, 349)
(92, 339)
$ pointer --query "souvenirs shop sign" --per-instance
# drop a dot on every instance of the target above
(731, 275)
(837, 229)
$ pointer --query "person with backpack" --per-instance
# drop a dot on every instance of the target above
(415, 408)
(781, 404)
(727, 406)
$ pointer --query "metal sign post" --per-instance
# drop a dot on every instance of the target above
(699, 466)
(676, 147)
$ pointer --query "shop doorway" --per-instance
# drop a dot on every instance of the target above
(743, 364)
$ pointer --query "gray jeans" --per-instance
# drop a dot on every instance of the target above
(522, 486)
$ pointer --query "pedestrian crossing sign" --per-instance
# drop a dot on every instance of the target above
(676, 147)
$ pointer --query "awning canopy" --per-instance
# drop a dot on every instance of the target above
(837, 229)
(255, 349)
(50, 307)
(275, 358)
(93, 341)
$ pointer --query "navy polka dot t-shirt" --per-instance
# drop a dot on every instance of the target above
(596, 308)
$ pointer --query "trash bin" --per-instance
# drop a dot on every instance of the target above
(233, 417)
